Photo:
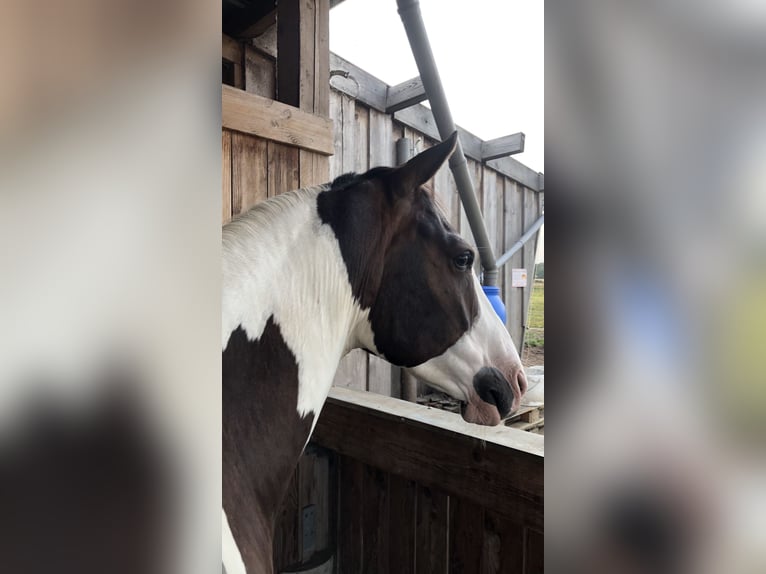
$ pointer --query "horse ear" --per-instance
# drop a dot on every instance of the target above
(423, 166)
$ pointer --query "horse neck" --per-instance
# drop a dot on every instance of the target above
(280, 261)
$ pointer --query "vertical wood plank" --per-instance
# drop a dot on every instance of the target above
(336, 114)
(528, 251)
(226, 175)
(349, 131)
(514, 206)
(375, 531)
(295, 45)
(431, 533)
(352, 371)
(489, 206)
(379, 376)
(350, 497)
(361, 128)
(402, 519)
(503, 546)
(260, 73)
(249, 155)
(466, 528)
(535, 553)
(322, 59)
(284, 168)
(382, 150)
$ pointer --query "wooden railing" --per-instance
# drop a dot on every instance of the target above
(420, 490)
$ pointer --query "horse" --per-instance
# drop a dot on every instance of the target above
(368, 262)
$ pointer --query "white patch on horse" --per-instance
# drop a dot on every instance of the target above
(280, 260)
(485, 343)
(230, 555)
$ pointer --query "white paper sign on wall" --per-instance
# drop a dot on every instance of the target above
(518, 277)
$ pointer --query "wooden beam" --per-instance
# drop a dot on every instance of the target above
(358, 84)
(276, 121)
(496, 467)
(502, 147)
(405, 95)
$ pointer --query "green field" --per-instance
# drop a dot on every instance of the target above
(536, 333)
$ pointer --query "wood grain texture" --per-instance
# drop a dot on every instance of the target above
(404, 439)
(225, 175)
(503, 545)
(402, 495)
(260, 73)
(431, 532)
(535, 552)
(284, 168)
(275, 121)
(249, 166)
(350, 501)
(375, 522)
(322, 59)
(466, 532)
(404, 95)
(514, 296)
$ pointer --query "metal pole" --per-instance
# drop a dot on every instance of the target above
(409, 10)
(528, 234)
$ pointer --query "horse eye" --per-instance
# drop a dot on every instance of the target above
(464, 260)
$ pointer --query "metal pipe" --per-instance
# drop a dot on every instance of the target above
(409, 10)
(528, 234)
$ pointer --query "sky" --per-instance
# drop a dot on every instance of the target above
(489, 53)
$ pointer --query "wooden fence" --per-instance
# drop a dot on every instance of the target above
(399, 488)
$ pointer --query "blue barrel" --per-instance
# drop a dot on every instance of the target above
(493, 294)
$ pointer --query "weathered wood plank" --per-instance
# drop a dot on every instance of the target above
(379, 376)
(352, 371)
(226, 175)
(401, 524)
(349, 134)
(295, 45)
(322, 59)
(231, 51)
(405, 95)
(503, 545)
(489, 208)
(260, 73)
(502, 147)
(360, 84)
(361, 142)
(439, 449)
(284, 168)
(272, 120)
(351, 481)
(431, 533)
(382, 150)
(514, 297)
(336, 113)
(466, 529)
(531, 214)
(249, 167)
(375, 532)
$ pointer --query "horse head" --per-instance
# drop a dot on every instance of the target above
(414, 274)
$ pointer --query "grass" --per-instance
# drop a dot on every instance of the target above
(535, 336)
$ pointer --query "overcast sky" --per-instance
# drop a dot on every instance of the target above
(489, 54)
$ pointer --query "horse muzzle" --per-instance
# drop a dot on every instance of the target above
(495, 395)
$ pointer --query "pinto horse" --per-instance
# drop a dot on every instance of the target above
(365, 262)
